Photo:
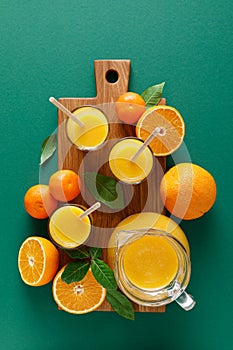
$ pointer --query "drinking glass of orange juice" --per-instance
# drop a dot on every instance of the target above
(67, 229)
(125, 169)
(152, 268)
(93, 132)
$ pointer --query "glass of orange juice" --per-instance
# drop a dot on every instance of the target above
(66, 229)
(131, 172)
(152, 268)
(94, 132)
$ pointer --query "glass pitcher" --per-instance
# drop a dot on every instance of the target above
(152, 268)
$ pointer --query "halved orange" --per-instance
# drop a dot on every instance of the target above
(78, 297)
(38, 261)
(171, 128)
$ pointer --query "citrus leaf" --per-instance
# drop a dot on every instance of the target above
(95, 252)
(105, 189)
(48, 148)
(153, 94)
(103, 274)
(120, 304)
(75, 271)
(80, 253)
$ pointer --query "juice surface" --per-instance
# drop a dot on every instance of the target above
(150, 262)
(95, 128)
(146, 220)
(67, 229)
(121, 165)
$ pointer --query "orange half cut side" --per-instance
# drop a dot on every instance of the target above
(78, 297)
(38, 261)
(171, 126)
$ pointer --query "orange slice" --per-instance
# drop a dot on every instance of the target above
(171, 126)
(38, 261)
(78, 297)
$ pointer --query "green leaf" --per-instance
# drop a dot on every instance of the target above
(120, 304)
(80, 253)
(48, 148)
(105, 189)
(103, 274)
(95, 252)
(153, 94)
(75, 271)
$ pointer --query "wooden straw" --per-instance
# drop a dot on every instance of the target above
(146, 143)
(66, 111)
(90, 210)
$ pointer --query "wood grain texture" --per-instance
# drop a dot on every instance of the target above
(145, 196)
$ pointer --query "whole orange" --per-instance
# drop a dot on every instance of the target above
(188, 191)
(38, 201)
(129, 107)
(64, 185)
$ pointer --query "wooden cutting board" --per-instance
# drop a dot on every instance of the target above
(112, 78)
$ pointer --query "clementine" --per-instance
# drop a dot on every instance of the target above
(188, 191)
(129, 107)
(64, 185)
(38, 201)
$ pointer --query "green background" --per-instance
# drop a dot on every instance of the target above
(48, 48)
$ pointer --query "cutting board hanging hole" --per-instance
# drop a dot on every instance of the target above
(112, 76)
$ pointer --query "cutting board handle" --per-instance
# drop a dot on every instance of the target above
(112, 79)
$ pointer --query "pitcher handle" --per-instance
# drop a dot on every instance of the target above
(186, 301)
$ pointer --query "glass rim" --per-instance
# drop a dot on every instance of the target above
(91, 148)
(60, 244)
(137, 180)
(153, 232)
(153, 296)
